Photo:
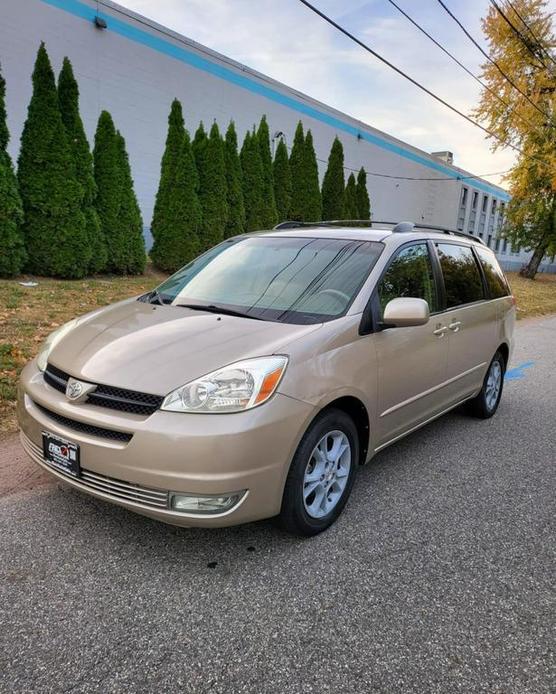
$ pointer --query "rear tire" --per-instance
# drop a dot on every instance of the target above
(485, 404)
(321, 474)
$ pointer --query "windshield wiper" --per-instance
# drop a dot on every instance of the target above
(211, 308)
(155, 297)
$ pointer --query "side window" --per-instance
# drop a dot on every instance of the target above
(411, 275)
(462, 278)
(496, 281)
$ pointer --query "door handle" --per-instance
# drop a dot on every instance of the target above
(455, 325)
(440, 330)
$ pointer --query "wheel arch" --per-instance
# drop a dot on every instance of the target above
(504, 350)
(355, 409)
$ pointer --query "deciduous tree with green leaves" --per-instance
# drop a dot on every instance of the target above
(252, 168)
(282, 181)
(362, 196)
(12, 250)
(270, 215)
(68, 96)
(234, 185)
(130, 218)
(209, 158)
(524, 52)
(54, 227)
(333, 183)
(350, 199)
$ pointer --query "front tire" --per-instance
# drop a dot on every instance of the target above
(321, 474)
(485, 404)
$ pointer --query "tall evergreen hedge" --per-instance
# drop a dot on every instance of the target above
(350, 199)
(209, 158)
(177, 241)
(313, 209)
(54, 226)
(270, 216)
(297, 168)
(130, 219)
(252, 168)
(68, 96)
(12, 250)
(282, 181)
(362, 196)
(234, 185)
(333, 183)
(162, 224)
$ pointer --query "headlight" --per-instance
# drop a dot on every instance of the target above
(234, 388)
(52, 340)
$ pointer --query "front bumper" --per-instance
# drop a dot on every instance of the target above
(170, 452)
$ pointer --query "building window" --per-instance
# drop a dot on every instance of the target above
(462, 208)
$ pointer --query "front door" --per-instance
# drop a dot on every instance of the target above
(411, 361)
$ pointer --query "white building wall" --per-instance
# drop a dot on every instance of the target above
(134, 69)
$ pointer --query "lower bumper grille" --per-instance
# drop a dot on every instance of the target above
(110, 486)
(83, 427)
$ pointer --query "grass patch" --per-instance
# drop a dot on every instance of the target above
(29, 314)
(534, 297)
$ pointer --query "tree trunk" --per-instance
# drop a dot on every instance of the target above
(532, 267)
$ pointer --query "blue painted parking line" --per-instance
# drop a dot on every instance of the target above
(518, 371)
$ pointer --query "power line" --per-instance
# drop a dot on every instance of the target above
(518, 33)
(528, 27)
(458, 62)
(410, 79)
(491, 60)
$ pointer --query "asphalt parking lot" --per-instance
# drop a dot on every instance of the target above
(439, 576)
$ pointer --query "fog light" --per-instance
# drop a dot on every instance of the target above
(206, 504)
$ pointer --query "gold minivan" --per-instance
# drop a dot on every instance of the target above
(254, 381)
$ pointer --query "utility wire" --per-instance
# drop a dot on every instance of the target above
(463, 67)
(491, 60)
(411, 79)
(526, 42)
(528, 27)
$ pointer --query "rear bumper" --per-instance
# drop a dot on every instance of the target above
(170, 452)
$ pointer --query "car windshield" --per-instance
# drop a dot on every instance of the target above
(292, 280)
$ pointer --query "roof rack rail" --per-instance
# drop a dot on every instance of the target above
(398, 227)
(443, 230)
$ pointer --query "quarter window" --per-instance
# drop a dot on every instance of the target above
(494, 276)
(462, 278)
(410, 275)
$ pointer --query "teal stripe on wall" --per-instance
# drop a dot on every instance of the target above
(161, 45)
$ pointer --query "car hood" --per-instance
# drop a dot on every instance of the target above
(154, 349)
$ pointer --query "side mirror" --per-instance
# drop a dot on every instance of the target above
(405, 312)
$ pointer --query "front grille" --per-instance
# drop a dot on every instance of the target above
(85, 428)
(131, 401)
(117, 489)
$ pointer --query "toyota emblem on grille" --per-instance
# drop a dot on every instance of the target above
(78, 390)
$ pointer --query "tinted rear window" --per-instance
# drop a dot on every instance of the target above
(462, 278)
(496, 281)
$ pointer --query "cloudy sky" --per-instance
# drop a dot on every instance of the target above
(288, 42)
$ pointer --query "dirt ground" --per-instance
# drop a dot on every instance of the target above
(17, 472)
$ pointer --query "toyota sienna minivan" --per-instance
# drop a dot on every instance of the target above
(254, 381)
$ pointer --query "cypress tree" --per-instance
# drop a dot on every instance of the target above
(350, 199)
(109, 180)
(234, 185)
(333, 183)
(161, 223)
(282, 181)
(270, 216)
(68, 96)
(362, 196)
(12, 250)
(54, 225)
(252, 168)
(209, 158)
(297, 168)
(129, 216)
(177, 241)
(313, 209)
